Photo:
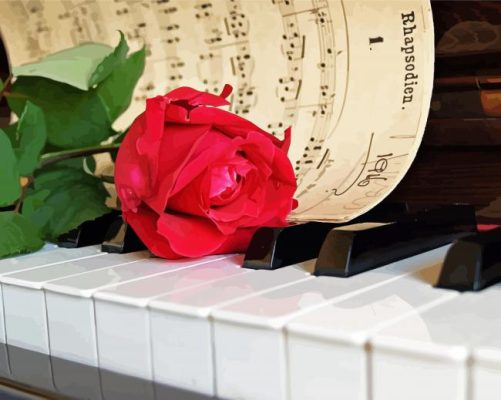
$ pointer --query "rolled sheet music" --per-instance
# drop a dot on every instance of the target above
(352, 78)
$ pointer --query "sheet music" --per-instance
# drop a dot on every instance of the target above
(352, 78)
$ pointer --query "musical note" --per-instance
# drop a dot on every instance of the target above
(216, 36)
(209, 69)
(122, 11)
(288, 89)
(293, 46)
(175, 66)
(242, 65)
(276, 128)
(205, 10)
(286, 61)
(243, 100)
(237, 25)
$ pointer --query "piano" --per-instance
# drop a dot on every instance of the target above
(82, 323)
(400, 317)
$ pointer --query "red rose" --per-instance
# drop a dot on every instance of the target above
(197, 180)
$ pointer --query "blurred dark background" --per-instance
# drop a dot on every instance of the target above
(460, 158)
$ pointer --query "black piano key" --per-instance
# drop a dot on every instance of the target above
(355, 248)
(120, 238)
(88, 233)
(473, 262)
(272, 248)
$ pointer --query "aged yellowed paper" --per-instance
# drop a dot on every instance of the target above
(352, 78)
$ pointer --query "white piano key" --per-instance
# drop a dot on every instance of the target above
(180, 327)
(486, 369)
(432, 351)
(75, 338)
(25, 311)
(31, 368)
(327, 348)
(24, 301)
(116, 386)
(49, 256)
(4, 361)
(77, 381)
(123, 332)
(71, 316)
(249, 338)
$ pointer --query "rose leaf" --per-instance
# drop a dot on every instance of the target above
(18, 234)
(9, 173)
(116, 91)
(74, 66)
(62, 198)
(90, 164)
(12, 134)
(74, 118)
(112, 61)
(32, 136)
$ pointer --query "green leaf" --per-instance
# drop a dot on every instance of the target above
(74, 66)
(63, 197)
(90, 163)
(32, 136)
(74, 118)
(1, 85)
(11, 132)
(116, 91)
(18, 235)
(106, 67)
(9, 174)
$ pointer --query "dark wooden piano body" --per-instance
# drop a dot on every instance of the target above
(460, 158)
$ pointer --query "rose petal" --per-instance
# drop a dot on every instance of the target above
(175, 112)
(149, 142)
(193, 199)
(208, 99)
(282, 169)
(286, 143)
(237, 242)
(227, 89)
(132, 176)
(144, 223)
(228, 218)
(195, 97)
(213, 147)
(230, 124)
(190, 236)
(224, 182)
(177, 146)
(260, 151)
(278, 200)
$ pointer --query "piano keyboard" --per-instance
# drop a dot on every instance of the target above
(212, 327)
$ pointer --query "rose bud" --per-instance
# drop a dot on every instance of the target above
(195, 180)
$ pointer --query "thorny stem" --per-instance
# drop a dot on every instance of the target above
(25, 182)
(51, 158)
(6, 86)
